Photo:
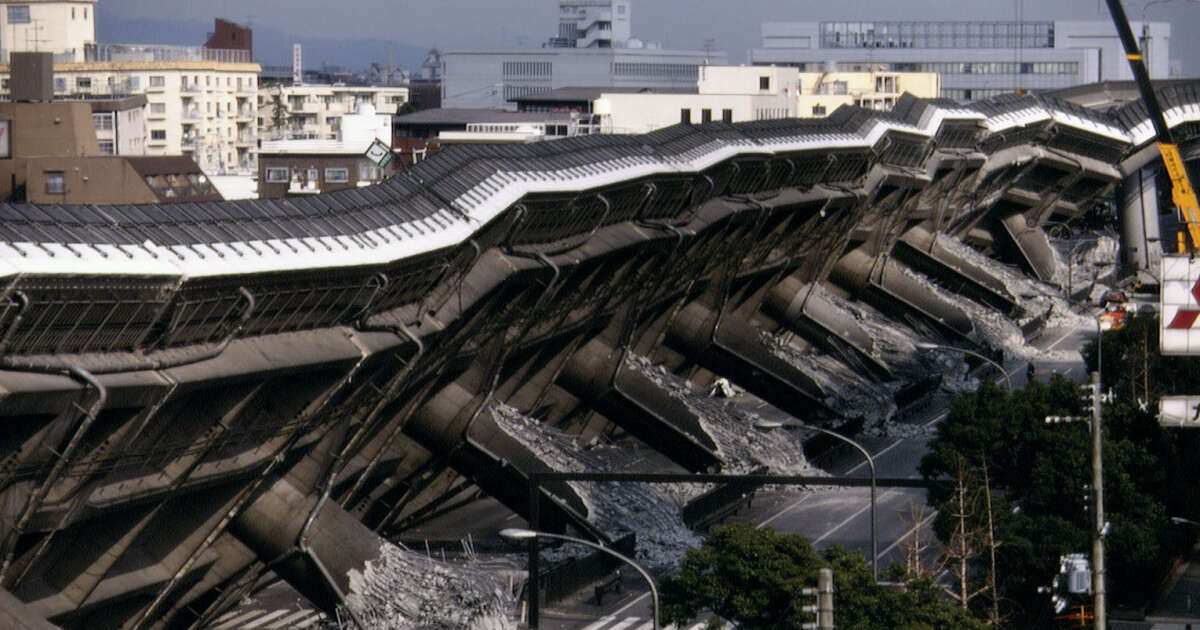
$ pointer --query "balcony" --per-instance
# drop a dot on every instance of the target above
(246, 139)
(193, 88)
(192, 114)
(246, 115)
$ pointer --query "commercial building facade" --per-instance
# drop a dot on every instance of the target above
(734, 94)
(975, 59)
(491, 78)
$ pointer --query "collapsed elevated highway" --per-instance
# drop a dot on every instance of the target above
(201, 394)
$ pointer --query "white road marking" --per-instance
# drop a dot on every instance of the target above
(604, 621)
(233, 621)
(264, 619)
(629, 621)
(290, 619)
(315, 618)
(631, 604)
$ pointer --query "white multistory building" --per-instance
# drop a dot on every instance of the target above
(200, 102)
(317, 112)
(594, 23)
(62, 27)
(733, 94)
(595, 48)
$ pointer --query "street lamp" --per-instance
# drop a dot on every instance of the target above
(516, 534)
(921, 345)
(767, 425)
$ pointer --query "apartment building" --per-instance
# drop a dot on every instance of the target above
(312, 166)
(975, 59)
(120, 125)
(200, 102)
(315, 112)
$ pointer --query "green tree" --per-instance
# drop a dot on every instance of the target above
(1040, 474)
(754, 577)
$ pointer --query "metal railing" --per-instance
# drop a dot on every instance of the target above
(154, 52)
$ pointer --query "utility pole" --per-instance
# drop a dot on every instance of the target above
(1098, 527)
(823, 609)
(825, 599)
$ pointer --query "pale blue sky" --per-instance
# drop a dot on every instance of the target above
(734, 24)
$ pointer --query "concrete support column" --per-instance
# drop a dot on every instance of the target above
(807, 311)
(454, 424)
(319, 565)
(1034, 246)
(639, 405)
(1141, 246)
(855, 272)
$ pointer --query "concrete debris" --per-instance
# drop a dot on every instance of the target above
(403, 590)
(647, 510)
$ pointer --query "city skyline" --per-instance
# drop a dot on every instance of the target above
(730, 27)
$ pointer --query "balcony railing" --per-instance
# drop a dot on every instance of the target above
(153, 52)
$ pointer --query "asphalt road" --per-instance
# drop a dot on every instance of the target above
(835, 515)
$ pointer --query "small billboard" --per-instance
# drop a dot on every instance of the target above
(1179, 305)
(1179, 411)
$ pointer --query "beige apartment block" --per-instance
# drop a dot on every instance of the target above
(314, 112)
(61, 27)
(196, 107)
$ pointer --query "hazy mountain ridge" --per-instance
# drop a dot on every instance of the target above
(272, 46)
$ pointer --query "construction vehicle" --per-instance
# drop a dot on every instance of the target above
(1182, 192)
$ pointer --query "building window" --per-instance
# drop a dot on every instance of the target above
(60, 85)
(337, 175)
(685, 116)
(727, 115)
(158, 108)
(277, 175)
(158, 134)
(764, 83)
(706, 115)
(107, 147)
(158, 81)
(56, 183)
(368, 172)
(818, 110)
(102, 122)
(18, 14)
(135, 83)
(83, 84)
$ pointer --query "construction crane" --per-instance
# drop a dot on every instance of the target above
(1182, 193)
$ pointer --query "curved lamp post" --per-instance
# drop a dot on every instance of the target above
(937, 346)
(516, 534)
(772, 424)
